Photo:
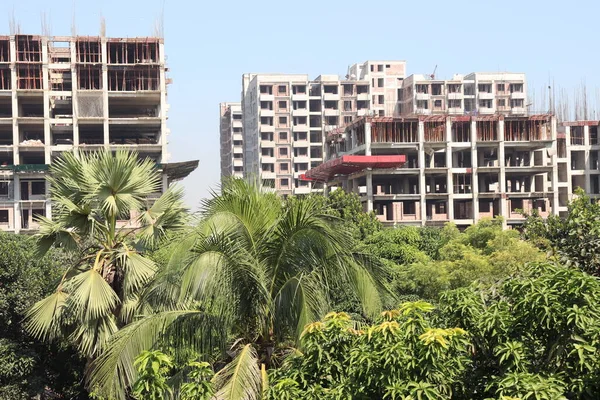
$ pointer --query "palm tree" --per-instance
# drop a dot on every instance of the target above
(90, 195)
(256, 267)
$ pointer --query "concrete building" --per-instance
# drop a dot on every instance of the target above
(428, 170)
(232, 140)
(76, 94)
(578, 161)
(474, 94)
(285, 116)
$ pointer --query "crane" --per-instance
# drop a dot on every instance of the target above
(432, 76)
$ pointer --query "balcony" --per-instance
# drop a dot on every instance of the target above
(486, 96)
(517, 95)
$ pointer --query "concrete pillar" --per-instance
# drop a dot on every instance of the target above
(369, 190)
(421, 160)
(502, 178)
(367, 138)
(17, 203)
(74, 94)
(105, 91)
(554, 147)
(474, 174)
(164, 107)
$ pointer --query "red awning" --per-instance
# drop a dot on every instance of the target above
(346, 165)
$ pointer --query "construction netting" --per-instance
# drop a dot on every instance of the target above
(90, 105)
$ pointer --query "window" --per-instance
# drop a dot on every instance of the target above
(283, 151)
(347, 120)
(487, 103)
(284, 167)
(300, 121)
(238, 156)
(501, 103)
(500, 87)
(381, 99)
(410, 208)
(484, 88)
(238, 169)
(237, 117)
(283, 105)
(266, 136)
(422, 104)
(454, 103)
(266, 121)
(282, 89)
(516, 103)
(299, 105)
(283, 121)
(372, 68)
(4, 189)
(266, 89)
(266, 105)
(347, 105)
(437, 103)
(283, 136)
(3, 216)
(38, 188)
(348, 90)
(380, 82)
(362, 104)
(516, 87)
(267, 152)
(331, 104)
(238, 143)
(380, 68)
(300, 136)
(422, 89)
(362, 89)
(440, 208)
(388, 66)
(454, 88)
(284, 182)
(299, 89)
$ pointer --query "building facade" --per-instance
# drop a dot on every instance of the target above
(285, 117)
(76, 94)
(232, 140)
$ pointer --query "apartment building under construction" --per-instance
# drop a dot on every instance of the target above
(76, 94)
(417, 149)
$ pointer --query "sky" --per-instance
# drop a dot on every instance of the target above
(210, 44)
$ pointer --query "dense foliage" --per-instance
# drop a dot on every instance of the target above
(574, 239)
(264, 297)
(29, 368)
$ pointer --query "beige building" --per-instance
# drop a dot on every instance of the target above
(76, 94)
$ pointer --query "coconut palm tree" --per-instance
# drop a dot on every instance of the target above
(255, 266)
(91, 194)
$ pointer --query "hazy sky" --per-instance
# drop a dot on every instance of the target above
(210, 44)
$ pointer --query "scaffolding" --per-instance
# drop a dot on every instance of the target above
(138, 78)
(435, 131)
(138, 51)
(487, 130)
(29, 48)
(5, 81)
(29, 76)
(390, 130)
(4, 50)
(527, 129)
(89, 77)
(89, 50)
(461, 131)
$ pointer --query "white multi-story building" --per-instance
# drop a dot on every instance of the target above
(285, 117)
(474, 94)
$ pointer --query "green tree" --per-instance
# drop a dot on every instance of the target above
(401, 356)
(536, 335)
(91, 193)
(254, 266)
(153, 369)
(28, 368)
(575, 239)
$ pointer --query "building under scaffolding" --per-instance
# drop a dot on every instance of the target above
(455, 168)
(76, 93)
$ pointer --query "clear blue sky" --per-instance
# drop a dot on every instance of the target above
(210, 44)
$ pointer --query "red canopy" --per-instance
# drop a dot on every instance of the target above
(345, 165)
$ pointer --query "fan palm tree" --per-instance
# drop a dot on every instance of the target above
(257, 267)
(90, 195)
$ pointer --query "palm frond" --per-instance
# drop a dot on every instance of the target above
(138, 269)
(241, 378)
(90, 296)
(113, 371)
(42, 321)
(168, 213)
(91, 336)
